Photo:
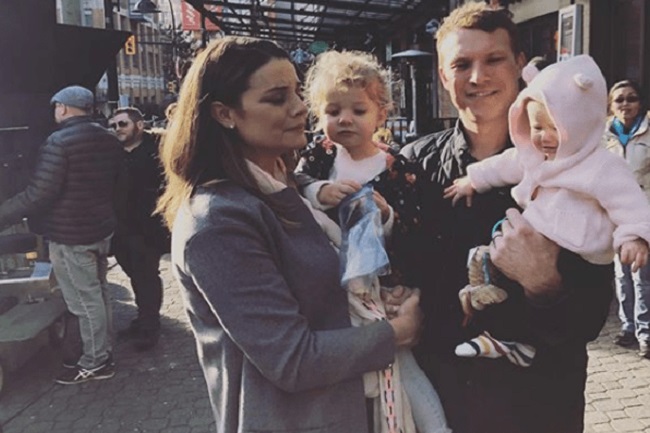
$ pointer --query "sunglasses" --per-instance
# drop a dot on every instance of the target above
(118, 124)
(631, 99)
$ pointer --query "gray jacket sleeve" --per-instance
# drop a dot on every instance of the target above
(233, 267)
(44, 186)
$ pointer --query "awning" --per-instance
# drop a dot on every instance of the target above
(347, 23)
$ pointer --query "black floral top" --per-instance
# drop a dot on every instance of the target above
(397, 184)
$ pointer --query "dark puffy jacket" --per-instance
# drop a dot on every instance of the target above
(71, 190)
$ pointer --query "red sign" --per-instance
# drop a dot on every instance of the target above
(192, 18)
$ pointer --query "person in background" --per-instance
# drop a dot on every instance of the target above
(627, 135)
(566, 299)
(71, 193)
(259, 276)
(141, 237)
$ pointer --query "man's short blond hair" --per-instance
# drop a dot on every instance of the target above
(479, 16)
(335, 70)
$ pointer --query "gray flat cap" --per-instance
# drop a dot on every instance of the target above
(74, 96)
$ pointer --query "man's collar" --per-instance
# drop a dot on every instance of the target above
(131, 147)
(461, 148)
(73, 120)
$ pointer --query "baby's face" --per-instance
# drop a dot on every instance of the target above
(350, 117)
(543, 133)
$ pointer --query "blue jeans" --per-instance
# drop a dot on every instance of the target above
(81, 273)
(633, 293)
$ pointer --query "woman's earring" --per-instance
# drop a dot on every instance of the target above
(231, 126)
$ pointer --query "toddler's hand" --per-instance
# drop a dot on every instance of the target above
(332, 193)
(461, 187)
(634, 253)
(383, 206)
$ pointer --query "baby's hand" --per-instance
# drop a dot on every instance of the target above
(461, 187)
(383, 206)
(634, 253)
(332, 193)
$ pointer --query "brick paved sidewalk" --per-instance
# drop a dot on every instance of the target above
(163, 390)
(157, 391)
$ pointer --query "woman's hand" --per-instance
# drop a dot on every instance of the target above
(408, 322)
(332, 193)
(526, 256)
(393, 298)
(462, 187)
(634, 253)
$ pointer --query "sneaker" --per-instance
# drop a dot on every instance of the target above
(625, 339)
(81, 375)
(70, 364)
(644, 349)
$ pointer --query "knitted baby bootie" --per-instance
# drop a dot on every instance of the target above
(489, 347)
(481, 291)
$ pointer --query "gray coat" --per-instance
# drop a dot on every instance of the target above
(270, 318)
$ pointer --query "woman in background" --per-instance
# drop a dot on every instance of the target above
(627, 135)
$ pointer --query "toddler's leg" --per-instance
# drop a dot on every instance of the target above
(425, 403)
(487, 346)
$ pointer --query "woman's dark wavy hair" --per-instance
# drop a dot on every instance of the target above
(196, 148)
(643, 106)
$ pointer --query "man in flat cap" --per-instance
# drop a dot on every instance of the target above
(71, 191)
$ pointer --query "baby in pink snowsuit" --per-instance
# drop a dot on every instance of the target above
(571, 188)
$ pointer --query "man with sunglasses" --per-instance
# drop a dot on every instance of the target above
(71, 194)
(141, 239)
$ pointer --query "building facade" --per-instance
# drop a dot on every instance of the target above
(141, 74)
(616, 33)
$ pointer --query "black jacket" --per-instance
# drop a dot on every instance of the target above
(71, 190)
(501, 397)
(141, 184)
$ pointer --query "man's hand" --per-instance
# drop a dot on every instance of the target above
(634, 253)
(332, 193)
(528, 257)
(461, 187)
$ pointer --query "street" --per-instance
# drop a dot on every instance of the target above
(163, 390)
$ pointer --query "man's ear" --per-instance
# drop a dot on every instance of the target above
(521, 60)
(140, 125)
(222, 114)
(443, 77)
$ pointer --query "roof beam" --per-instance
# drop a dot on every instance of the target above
(240, 26)
(276, 10)
(335, 4)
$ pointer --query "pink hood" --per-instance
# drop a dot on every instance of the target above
(575, 93)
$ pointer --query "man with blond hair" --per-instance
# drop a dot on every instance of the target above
(563, 299)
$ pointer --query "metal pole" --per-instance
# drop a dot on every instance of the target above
(111, 71)
(414, 100)
(171, 12)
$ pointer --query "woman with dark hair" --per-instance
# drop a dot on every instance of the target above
(259, 274)
(627, 135)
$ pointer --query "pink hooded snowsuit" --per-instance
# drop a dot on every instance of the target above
(587, 199)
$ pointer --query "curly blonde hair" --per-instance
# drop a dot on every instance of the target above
(334, 70)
